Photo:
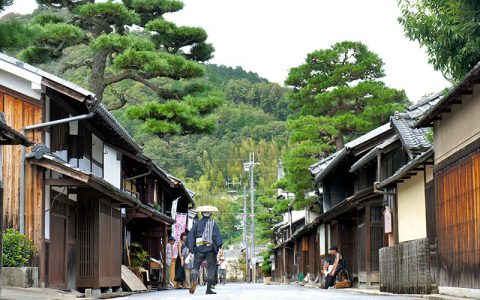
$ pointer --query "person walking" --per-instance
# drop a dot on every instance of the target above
(188, 265)
(222, 265)
(168, 259)
(204, 241)
(180, 262)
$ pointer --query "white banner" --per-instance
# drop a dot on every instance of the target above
(174, 208)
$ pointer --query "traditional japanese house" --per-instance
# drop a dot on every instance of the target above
(456, 227)
(84, 180)
(404, 165)
(295, 248)
(149, 224)
(352, 216)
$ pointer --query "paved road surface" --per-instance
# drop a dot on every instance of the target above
(236, 291)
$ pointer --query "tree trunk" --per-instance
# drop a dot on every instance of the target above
(339, 141)
(97, 77)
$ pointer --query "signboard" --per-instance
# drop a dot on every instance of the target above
(174, 208)
(388, 220)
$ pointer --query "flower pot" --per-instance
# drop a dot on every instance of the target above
(266, 280)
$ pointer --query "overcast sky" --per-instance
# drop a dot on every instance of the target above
(271, 36)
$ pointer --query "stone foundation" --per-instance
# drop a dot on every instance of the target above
(20, 277)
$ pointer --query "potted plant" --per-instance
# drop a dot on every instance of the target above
(139, 258)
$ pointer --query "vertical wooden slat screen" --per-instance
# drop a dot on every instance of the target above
(458, 222)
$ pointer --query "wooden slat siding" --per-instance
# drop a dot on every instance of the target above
(18, 114)
(405, 268)
(476, 210)
(458, 222)
(12, 159)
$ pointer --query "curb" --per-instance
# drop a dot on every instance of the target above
(378, 293)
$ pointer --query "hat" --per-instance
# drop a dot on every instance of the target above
(333, 248)
(171, 238)
(206, 208)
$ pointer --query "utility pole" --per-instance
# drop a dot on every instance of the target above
(248, 166)
(245, 240)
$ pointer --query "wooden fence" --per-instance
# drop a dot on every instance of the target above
(405, 268)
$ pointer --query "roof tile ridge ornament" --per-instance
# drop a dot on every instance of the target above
(39, 150)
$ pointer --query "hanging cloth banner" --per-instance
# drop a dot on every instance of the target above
(174, 208)
(179, 227)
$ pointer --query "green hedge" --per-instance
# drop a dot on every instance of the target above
(17, 249)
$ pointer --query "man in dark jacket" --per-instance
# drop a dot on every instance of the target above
(204, 240)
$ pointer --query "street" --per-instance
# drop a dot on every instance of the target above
(236, 291)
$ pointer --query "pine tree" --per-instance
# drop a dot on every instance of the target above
(337, 95)
(4, 4)
(133, 41)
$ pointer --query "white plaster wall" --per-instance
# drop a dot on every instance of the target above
(429, 173)
(412, 223)
(62, 154)
(458, 128)
(322, 240)
(85, 164)
(47, 212)
(97, 171)
(111, 166)
(19, 84)
(97, 149)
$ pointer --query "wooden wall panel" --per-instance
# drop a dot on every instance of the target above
(11, 159)
(18, 114)
(458, 222)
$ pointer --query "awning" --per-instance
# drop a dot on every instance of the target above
(144, 211)
(9, 136)
(51, 162)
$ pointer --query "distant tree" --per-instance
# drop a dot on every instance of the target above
(132, 41)
(337, 95)
(15, 35)
(220, 75)
(4, 4)
(448, 29)
(270, 97)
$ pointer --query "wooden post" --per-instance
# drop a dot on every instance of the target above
(164, 254)
(368, 246)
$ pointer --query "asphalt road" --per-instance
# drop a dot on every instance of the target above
(237, 291)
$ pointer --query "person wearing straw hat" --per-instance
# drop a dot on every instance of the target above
(204, 240)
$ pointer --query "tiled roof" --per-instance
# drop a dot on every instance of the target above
(413, 139)
(454, 94)
(323, 167)
(322, 164)
(418, 109)
(372, 154)
(403, 171)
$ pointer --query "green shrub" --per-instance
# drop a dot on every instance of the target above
(139, 255)
(267, 263)
(17, 249)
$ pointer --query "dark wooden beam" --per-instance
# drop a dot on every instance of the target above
(63, 182)
(456, 101)
(467, 92)
(445, 110)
